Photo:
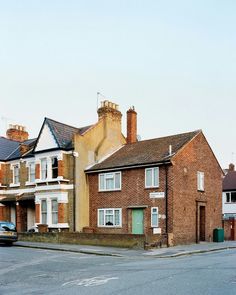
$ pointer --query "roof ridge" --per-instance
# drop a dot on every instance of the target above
(184, 133)
(46, 118)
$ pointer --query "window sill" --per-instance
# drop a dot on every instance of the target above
(151, 187)
(58, 179)
(110, 226)
(15, 185)
(29, 183)
(201, 190)
(111, 190)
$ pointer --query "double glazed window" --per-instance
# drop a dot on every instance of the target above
(110, 181)
(109, 217)
(231, 197)
(154, 217)
(152, 177)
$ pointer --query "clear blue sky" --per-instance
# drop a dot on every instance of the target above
(175, 61)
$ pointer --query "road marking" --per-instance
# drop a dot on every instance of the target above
(91, 282)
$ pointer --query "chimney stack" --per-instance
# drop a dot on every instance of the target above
(17, 133)
(110, 109)
(131, 125)
(231, 167)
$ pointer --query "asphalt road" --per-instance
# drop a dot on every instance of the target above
(35, 271)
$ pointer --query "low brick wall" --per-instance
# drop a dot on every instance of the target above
(93, 239)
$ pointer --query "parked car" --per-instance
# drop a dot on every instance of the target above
(8, 232)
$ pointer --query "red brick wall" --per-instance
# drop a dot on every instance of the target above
(60, 168)
(133, 193)
(37, 213)
(37, 171)
(62, 213)
(2, 213)
(196, 156)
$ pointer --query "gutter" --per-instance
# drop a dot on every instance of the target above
(127, 167)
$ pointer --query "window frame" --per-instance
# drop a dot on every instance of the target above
(53, 212)
(41, 169)
(104, 217)
(152, 213)
(230, 197)
(200, 181)
(152, 177)
(56, 168)
(105, 175)
(16, 176)
(44, 212)
(30, 179)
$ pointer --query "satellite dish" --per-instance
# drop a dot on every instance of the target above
(139, 137)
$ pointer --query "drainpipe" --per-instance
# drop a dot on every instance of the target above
(75, 155)
(166, 194)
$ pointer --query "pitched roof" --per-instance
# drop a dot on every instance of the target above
(145, 152)
(64, 133)
(10, 149)
(229, 182)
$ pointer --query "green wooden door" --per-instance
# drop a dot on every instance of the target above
(137, 221)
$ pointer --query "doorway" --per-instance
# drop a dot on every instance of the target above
(202, 223)
(137, 221)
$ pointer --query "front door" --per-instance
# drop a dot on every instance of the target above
(202, 224)
(137, 221)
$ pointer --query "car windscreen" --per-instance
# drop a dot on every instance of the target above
(5, 226)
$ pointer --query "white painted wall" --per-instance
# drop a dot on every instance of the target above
(46, 140)
(228, 207)
(30, 217)
(13, 214)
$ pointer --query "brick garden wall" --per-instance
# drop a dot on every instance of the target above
(113, 240)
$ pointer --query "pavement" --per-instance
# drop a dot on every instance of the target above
(170, 252)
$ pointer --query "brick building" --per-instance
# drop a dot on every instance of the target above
(42, 180)
(167, 188)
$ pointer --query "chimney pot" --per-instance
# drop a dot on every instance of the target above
(231, 167)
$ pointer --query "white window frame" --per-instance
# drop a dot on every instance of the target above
(156, 213)
(52, 212)
(61, 197)
(200, 181)
(14, 176)
(43, 212)
(31, 164)
(105, 175)
(113, 213)
(41, 170)
(152, 171)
